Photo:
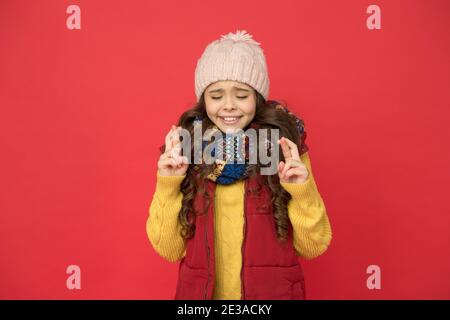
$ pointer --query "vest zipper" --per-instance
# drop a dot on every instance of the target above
(243, 245)
(207, 250)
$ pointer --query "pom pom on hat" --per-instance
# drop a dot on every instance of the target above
(240, 36)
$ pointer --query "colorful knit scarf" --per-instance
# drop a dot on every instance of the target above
(235, 148)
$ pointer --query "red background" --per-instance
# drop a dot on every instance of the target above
(83, 113)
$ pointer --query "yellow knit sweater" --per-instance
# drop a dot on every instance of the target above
(307, 213)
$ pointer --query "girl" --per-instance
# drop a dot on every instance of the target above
(238, 233)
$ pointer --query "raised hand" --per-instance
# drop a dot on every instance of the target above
(293, 170)
(171, 163)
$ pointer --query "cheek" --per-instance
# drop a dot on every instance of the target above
(248, 108)
(211, 108)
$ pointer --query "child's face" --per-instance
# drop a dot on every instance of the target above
(230, 104)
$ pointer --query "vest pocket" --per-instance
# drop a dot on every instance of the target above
(274, 283)
(298, 290)
(191, 283)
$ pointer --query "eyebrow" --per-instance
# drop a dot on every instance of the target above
(221, 90)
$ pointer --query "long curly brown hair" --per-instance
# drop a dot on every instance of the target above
(266, 116)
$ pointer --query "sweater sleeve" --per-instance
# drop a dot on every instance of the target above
(163, 228)
(311, 227)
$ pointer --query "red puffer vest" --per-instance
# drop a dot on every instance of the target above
(270, 270)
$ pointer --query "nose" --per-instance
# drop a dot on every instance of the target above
(229, 105)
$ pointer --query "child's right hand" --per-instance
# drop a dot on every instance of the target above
(171, 163)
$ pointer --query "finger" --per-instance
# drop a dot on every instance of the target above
(184, 160)
(175, 152)
(166, 162)
(292, 148)
(180, 159)
(169, 162)
(286, 167)
(168, 140)
(165, 155)
(280, 167)
(176, 139)
(294, 163)
(176, 135)
(280, 172)
(292, 172)
(285, 148)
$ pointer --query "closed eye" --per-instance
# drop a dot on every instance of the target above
(217, 98)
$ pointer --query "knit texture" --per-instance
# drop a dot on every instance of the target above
(311, 227)
(235, 56)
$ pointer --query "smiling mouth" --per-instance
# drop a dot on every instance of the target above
(230, 120)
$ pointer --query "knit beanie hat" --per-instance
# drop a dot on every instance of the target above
(235, 56)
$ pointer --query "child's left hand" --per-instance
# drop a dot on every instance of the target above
(294, 170)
